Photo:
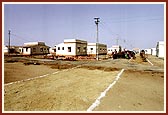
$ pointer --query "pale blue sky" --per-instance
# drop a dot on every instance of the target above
(135, 25)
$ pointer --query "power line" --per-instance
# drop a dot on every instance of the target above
(118, 37)
(134, 20)
(20, 37)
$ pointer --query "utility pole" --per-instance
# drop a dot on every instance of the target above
(117, 38)
(9, 42)
(97, 40)
(117, 41)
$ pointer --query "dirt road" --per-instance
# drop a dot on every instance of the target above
(135, 91)
(75, 85)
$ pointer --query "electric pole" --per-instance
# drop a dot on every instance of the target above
(9, 42)
(97, 40)
(117, 38)
(117, 41)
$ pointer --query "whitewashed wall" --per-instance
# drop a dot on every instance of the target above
(28, 52)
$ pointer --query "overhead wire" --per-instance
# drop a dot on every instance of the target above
(20, 37)
(129, 19)
(118, 36)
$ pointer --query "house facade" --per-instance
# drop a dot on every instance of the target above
(160, 49)
(101, 48)
(35, 48)
(153, 51)
(136, 50)
(72, 47)
(13, 50)
(52, 51)
(5, 49)
(114, 48)
(148, 51)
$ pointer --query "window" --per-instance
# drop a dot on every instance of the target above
(84, 49)
(62, 48)
(69, 49)
(34, 49)
(58, 48)
(26, 49)
(78, 50)
(41, 49)
(91, 48)
(44, 48)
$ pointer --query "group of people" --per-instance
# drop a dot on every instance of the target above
(123, 54)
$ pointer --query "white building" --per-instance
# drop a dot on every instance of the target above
(101, 48)
(113, 49)
(153, 51)
(148, 51)
(13, 49)
(72, 47)
(52, 51)
(5, 49)
(35, 48)
(160, 49)
(136, 50)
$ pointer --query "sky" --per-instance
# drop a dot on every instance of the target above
(128, 25)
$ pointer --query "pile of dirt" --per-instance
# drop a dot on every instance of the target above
(62, 66)
(100, 68)
(15, 59)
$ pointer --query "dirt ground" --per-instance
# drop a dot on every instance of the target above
(18, 71)
(75, 85)
(70, 90)
(136, 91)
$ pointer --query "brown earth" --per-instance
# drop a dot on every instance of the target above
(72, 90)
(75, 85)
(135, 91)
(18, 71)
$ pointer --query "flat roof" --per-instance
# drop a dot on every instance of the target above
(33, 43)
(93, 44)
(74, 40)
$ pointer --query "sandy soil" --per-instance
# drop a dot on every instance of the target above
(136, 91)
(18, 71)
(75, 89)
(75, 85)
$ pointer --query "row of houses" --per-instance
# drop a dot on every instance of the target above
(114, 48)
(76, 47)
(30, 48)
(70, 47)
(157, 51)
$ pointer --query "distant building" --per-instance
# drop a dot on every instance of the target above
(5, 49)
(148, 51)
(160, 49)
(72, 47)
(114, 48)
(13, 50)
(91, 49)
(52, 51)
(35, 48)
(136, 50)
(153, 51)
